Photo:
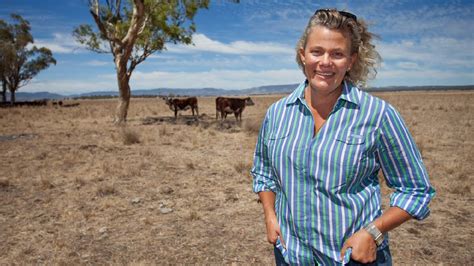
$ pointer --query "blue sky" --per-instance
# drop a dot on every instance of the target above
(239, 46)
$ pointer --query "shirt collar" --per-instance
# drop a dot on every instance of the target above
(350, 93)
(298, 93)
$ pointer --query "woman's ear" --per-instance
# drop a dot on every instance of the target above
(353, 59)
(301, 54)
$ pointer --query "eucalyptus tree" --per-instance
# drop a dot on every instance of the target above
(5, 56)
(20, 60)
(133, 30)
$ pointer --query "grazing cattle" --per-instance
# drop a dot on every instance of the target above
(182, 104)
(226, 106)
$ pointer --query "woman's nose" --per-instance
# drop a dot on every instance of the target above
(325, 59)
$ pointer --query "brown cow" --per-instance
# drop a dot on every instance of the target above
(226, 106)
(182, 104)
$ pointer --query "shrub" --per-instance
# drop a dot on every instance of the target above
(105, 190)
(252, 126)
(129, 136)
(242, 167)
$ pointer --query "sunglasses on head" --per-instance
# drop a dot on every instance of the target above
(343, 13)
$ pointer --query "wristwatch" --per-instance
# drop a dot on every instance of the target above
(375, 233)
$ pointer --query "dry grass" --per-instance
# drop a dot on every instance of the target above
(74, 189)
(129, 136)
(5, 184)
(252, 126)
(106, 190)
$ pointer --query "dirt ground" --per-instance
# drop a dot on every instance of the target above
(75, 189)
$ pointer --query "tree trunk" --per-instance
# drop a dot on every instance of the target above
(4, 91)
(12, 97)
(123, 102)
(124, 89)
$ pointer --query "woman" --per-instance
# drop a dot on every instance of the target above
(320, 149)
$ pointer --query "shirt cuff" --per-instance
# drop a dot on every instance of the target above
(263, 183)
(414, 204)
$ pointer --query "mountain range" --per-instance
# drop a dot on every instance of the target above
(272, 89)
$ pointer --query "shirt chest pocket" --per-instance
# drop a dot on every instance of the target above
(287, 153)
(276, 145)
(351, 154)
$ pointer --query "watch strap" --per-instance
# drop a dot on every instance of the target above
(375, 233)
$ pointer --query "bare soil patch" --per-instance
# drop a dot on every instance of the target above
(76, 189)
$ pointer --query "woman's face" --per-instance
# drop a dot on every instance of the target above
(327, 57)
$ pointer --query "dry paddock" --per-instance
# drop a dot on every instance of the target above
(75, 189)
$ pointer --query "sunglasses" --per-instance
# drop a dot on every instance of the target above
(343, 13)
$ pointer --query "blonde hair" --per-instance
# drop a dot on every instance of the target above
(368, 59)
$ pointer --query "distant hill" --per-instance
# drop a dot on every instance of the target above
(275, 89)
(272, 89)
(31, 96)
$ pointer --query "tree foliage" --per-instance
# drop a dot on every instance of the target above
(20, 61)
(133, 30)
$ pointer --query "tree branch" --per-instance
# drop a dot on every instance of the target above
(138, 17)
(109, 35)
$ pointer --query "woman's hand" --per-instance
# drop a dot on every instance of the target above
(273, 230)
(363, 246)
(271, 222)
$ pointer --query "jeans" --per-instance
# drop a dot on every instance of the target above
(384, 258)
(279, 260)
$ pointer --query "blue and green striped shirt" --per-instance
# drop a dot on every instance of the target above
(326, 185)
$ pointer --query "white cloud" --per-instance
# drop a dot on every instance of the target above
(408, 65)
(225, 79)
(71, 86)
(60, 43)
(450, 18)
(435, 52)
(204, 44)
(410, 77)
(429, 61)
(98, 63)
(199, 62)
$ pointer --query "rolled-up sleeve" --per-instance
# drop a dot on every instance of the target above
(403, 167)
(263, 179)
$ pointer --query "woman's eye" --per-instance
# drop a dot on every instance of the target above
(316, 53)
(338, 55)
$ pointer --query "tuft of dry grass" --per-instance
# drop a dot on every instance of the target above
(47, 182)
(146, 153)
(42, 156)
(5, 183)
(461, 189)
(129, 136)
(242, 167)
(79, 181)
(105, 190)
(164, 131)
(190, 166)
(193, 216)
(252, 126)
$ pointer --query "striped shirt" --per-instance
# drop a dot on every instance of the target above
(326, 185)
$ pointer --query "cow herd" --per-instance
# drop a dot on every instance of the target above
(224, 106)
